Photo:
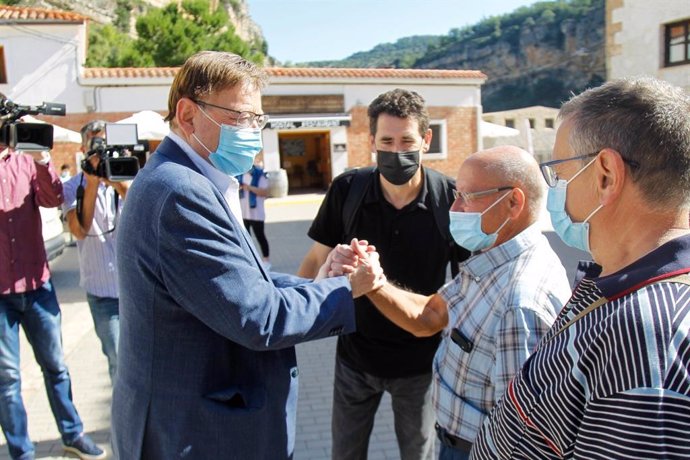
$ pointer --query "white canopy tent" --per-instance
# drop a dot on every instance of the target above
(60, 134)
(491, 130)
(150, 125)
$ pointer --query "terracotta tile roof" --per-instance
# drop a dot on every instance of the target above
(325, 72)
(129, 72)
(26, 14)
(307, 72)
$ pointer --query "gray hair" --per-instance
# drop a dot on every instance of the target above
(647, 121)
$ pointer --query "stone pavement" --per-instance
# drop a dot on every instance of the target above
(287, 222)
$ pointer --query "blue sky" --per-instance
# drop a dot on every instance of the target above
(311, 30)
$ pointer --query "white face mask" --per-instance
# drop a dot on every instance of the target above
(574, 234)
(237, 148)
(466, 228)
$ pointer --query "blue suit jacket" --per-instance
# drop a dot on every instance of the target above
(207, 366)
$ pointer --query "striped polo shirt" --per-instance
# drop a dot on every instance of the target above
(613, 384)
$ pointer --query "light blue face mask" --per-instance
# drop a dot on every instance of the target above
(466, 229)
(237, 148)
(574, 234)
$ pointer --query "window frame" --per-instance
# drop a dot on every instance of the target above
(667, 43)
(442, 142)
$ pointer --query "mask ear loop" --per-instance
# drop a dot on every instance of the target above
(497, 201)
(577, 174)
(580, 171)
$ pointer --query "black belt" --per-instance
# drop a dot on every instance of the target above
(449, 440)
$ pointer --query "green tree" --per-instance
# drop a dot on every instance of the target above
(168, 36)
(108, 47)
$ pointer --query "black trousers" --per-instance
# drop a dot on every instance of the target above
(258, 227)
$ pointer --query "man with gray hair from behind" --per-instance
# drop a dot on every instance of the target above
(611, 379)
(502, 302)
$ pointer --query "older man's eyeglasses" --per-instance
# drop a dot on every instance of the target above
(467, 197)
(243, 119)
(548, 169)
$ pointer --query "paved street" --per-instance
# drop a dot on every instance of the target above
(287, 224)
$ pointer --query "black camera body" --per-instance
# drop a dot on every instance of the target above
(115, 162)
(27, 136)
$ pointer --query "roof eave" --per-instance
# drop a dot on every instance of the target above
(126, 81)
(462, 81)
(24, 22)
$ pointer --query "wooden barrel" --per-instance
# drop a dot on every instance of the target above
(277, 183)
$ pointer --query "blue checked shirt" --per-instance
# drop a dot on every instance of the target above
(502, 302)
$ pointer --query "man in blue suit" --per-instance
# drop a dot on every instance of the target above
(207, 366)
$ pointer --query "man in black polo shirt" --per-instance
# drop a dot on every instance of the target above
(395, 214)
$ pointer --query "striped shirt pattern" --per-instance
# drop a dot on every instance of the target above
(613, 385)
(504, 300)
(97, 260)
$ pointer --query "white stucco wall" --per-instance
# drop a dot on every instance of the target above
(42, 62)
(642, 40)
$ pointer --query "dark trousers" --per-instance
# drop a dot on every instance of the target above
(258, 227)
(356, 398)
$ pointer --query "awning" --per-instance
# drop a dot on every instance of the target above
(494, 130)
(309, 121)
(150, 124)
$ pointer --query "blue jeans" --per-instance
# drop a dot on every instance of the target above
(38, 313)
(105, 312)
(450, 453)
(356, 398)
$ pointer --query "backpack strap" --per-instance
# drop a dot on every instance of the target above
(683, 278)
(361, 181)
(440, 188)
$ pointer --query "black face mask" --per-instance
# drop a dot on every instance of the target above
(397, 168)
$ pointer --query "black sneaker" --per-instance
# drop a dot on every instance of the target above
(84, 448)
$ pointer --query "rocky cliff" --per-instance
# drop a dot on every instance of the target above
(541, 62)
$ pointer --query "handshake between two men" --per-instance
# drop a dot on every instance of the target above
(359, 261)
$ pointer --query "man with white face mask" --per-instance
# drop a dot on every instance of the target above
(497, 309)
(611, 379)
(207, 366)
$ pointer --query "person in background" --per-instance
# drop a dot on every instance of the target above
(65, 173)
(28, 299)
(611, 379)
(253, 193)
(96, 230)
(505, 298)
(398, 205)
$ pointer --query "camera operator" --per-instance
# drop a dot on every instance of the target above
(27, 298)
(95, 231)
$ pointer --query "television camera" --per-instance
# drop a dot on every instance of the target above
(27, 136)
(116, 162)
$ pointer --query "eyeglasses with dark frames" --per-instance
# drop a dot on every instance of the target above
(243, 119)
(551, 176)
(467, 197)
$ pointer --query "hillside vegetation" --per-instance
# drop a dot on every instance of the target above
(535, 55)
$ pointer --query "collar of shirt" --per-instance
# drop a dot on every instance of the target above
(672, 257)
(228, 186)
(375, 194)
(485, 262)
